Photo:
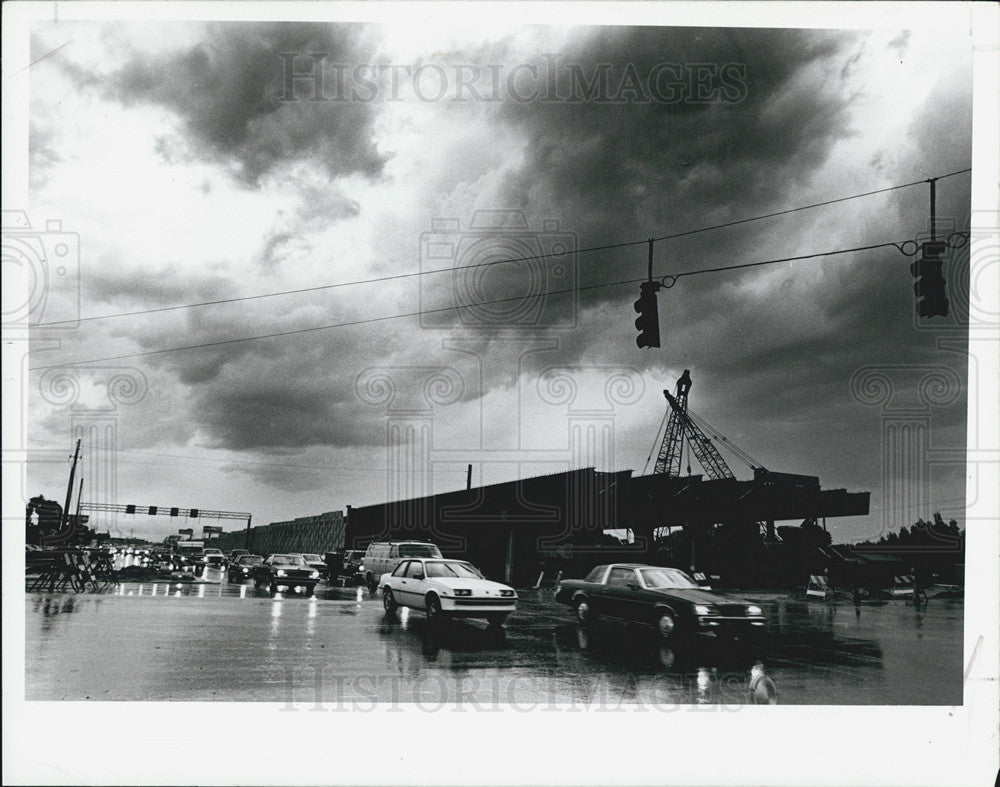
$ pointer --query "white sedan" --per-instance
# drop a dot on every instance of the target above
(446, 588)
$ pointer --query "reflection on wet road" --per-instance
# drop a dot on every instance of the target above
(338, 650)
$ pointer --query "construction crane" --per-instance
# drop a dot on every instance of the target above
(682, 426)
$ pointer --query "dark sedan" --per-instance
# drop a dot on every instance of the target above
(289, 571)
(242, 568)
(316, 562)
(666, 599)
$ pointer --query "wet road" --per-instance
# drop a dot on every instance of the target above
(338, 650)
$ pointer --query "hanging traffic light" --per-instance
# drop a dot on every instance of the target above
(929, 284)
(648, 321)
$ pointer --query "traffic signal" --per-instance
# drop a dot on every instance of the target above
(174, 511)
(152, 510)
(130, 509)
(648, 321)
(193, 513)
(929, 284)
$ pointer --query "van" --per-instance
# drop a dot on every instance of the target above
(382, 557)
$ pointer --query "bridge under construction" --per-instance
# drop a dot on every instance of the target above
(514, 529)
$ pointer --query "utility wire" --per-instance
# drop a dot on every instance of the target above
(720, 439)
(412, 274)
(367, 320)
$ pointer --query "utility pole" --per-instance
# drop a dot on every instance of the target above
(933, 182)
(246, 543)
(79, 499)
(69, 487)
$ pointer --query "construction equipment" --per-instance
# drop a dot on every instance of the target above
(680, 427)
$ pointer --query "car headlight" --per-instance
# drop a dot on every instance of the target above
(704, 609)
(314, 574)
(753, 609)
(280, 572)
(463, 592)
(507, 593)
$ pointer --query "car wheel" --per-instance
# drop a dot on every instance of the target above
(309, 590)
(372, 584)
(496, 621)
(666, 625)
(256, 583)
(272, 588)
(388, 601)
(583, 610)
(432, 607)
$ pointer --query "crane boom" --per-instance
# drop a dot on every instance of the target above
(679, 427)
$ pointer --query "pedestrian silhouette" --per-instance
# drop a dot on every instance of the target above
(762, 688)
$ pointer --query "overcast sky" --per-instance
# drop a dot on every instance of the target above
(193, 169)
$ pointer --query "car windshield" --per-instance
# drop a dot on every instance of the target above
(312, 558)
(669, 578)
(287, 560)
(451, 569)
(250, 560)
(418, 550)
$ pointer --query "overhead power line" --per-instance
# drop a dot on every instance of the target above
(419, 312)
(412, 274)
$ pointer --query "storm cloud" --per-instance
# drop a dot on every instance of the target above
(230, 94)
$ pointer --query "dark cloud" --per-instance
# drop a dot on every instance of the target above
(770, 117)
(629, 163)
(276, 413)
(230, 92)
(114, 283)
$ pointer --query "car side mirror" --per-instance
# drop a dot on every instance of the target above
(633, 585)
(418, 576)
